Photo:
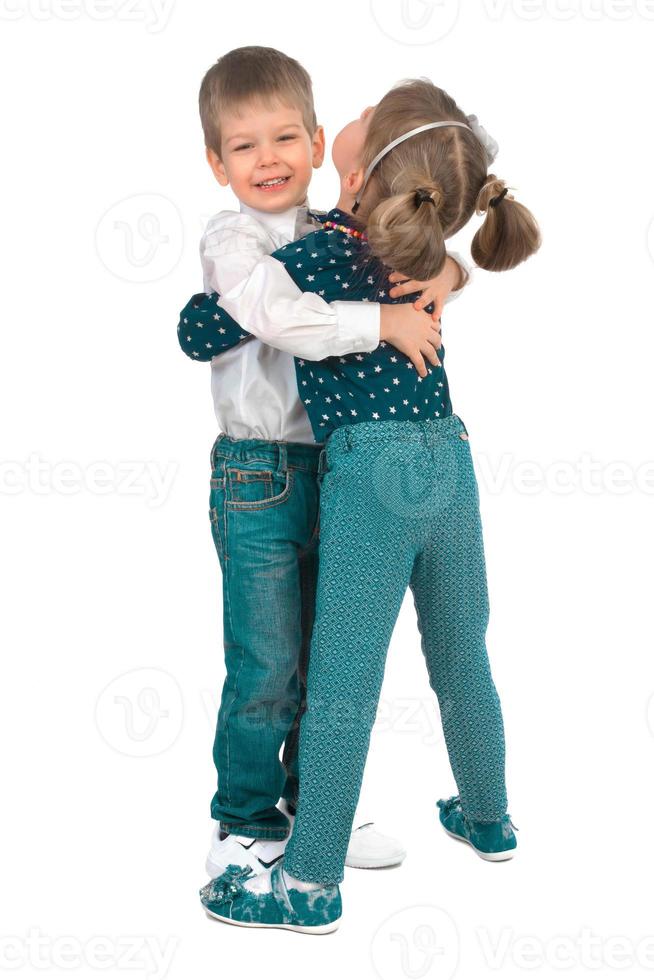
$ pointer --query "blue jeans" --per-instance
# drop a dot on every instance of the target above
(265, 521)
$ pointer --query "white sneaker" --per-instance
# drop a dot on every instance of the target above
(260, 855)
(370, 849)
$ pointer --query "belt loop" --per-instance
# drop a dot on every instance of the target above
(322, 461)
(348, 438)
(283, 459)
(212, 454)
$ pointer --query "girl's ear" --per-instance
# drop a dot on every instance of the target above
(318, 147)
(354, 181)
(217, 167)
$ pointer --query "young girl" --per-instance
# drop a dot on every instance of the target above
(399, 503)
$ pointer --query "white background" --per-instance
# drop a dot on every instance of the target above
(110, 582)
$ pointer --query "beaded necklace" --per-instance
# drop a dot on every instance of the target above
(347, 231)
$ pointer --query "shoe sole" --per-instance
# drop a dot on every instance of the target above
(495, 856)
(370, 864)
(311, 930)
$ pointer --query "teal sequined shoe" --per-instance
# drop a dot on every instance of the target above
(274, 906)
(491, 841)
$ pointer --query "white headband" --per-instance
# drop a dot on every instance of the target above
(473, 125)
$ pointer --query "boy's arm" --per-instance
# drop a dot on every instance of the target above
(255, 289)
(205, 330)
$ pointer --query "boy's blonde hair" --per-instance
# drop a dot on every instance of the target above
(253, 74)
(448, 166)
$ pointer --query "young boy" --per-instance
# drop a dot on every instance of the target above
(262, 139)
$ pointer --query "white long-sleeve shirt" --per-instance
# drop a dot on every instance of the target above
(254, 384)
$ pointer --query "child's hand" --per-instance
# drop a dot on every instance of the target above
(433, 291)
(412, 333)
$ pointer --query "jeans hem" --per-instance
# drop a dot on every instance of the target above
(259, 833)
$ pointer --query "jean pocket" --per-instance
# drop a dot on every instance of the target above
(256, 488)
(216, 516)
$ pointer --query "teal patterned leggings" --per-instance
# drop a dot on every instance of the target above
(399, 507)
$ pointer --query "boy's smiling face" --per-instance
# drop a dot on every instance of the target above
(267, 156)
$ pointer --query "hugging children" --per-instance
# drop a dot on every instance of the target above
(341, 476)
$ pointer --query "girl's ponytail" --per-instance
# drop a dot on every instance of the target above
(509, 234)
(405, 230)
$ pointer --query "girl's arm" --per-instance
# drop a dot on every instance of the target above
(205, 331)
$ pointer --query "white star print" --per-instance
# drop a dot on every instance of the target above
(216, 316)
(361, 374)
(392, 410)
(375, 415)
(377, 368)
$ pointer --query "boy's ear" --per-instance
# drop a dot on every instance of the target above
(318, 147)
(217, 167)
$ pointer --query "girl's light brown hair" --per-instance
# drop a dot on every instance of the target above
(253, 74)
(448, 169)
